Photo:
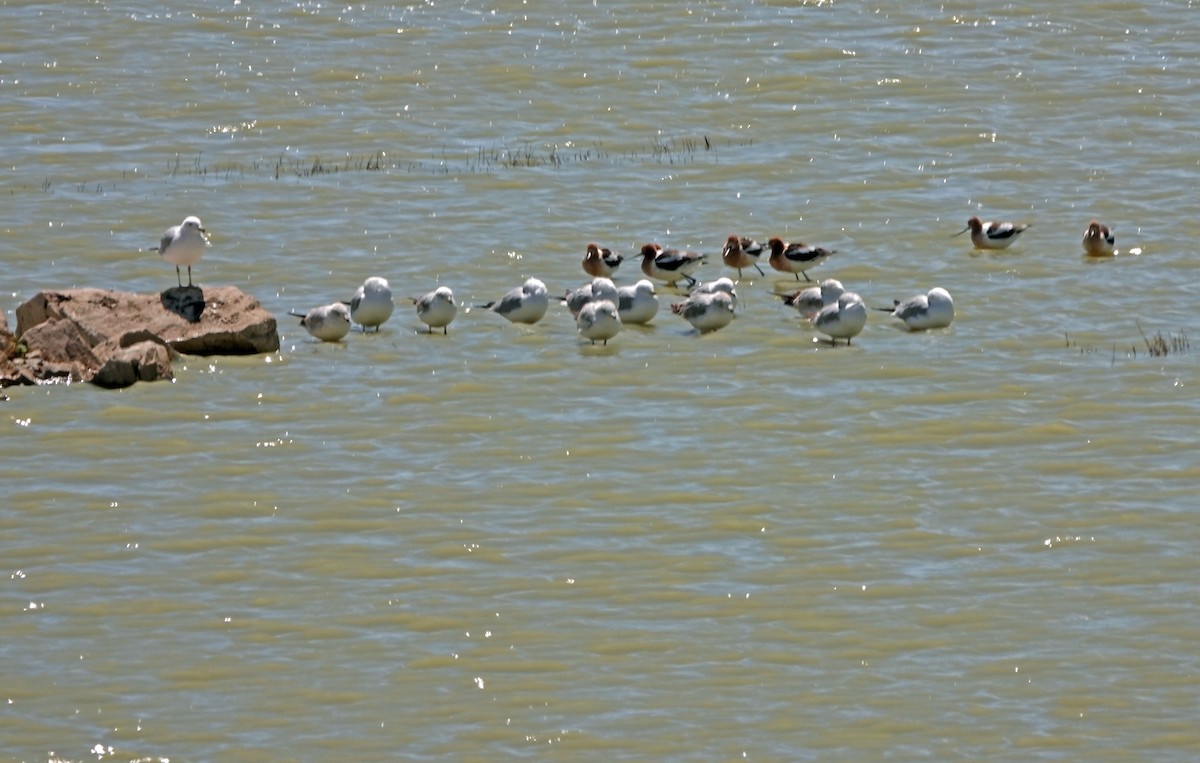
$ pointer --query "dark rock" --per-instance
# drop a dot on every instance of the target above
(185, 301)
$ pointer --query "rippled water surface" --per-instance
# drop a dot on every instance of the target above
(976, 543)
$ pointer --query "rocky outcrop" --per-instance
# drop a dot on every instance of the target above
(114, 338)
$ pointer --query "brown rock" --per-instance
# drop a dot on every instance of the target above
(58, 342)
(222, 320)
(143, 361)
(117, 338)
(8, 343)
(54, 351)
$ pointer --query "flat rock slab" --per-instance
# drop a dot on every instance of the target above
(109, 337)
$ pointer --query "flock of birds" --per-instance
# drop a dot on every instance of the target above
(601, 308)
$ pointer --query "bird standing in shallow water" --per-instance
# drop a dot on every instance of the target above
(842, 320)
(437, 309)
(184, 244)
(329, 323)
(525, 304)
(637, 303)
(599, 288)
(724, 284)
(796, 258)
(598, 320)
(808, 302)
(1098, 240)
(992, 235)
(670, 265)
(934, 310)
(706, 311)
(601, 263)
(372, 304)
(742, 253)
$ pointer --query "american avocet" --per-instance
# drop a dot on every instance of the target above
(599, 288)
(436, 309)
(808, 302)
(598, 320)
(741, 253)
(992, 235)
(842, 320)
(599, 262)
(526, 304)
(184, 244)
(329, 323)
(796, 258)
(750, 246)
(670, 265)
(637, 303)
(1098, 240)
(372, 304)
(934, 310)
(706, 312)
(723, 284)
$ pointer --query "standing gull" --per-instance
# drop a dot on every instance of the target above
(600, 288)
(184, 244)
(436, 309)
(372, 303)
(934, 310)
(842, 320)
(706, 311)
(329, 323)
(723, 284)
(808, 302)
(525, 304)
(598, 320)
(637, 303)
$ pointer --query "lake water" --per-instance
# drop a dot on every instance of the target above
(977, 543)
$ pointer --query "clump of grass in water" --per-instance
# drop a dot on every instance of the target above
(1159, 346)
(287, 165)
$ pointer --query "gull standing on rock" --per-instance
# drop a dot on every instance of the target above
(525, 304)
(329, 323)
(934, 310)
(436, 309)
(184, 244)
(372, 303)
